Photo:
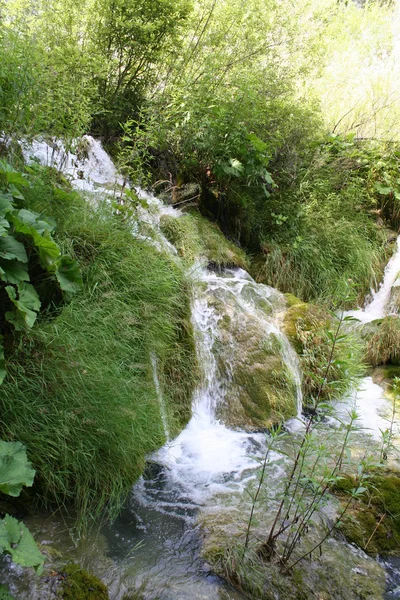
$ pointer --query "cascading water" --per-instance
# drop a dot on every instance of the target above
(378, 306)
(208, 459)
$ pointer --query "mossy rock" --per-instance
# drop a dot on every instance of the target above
(261, 390)
(312, 317)
(78, 584)
(385, 375)
(382, 341)
(195, 237)
(394, 299)
(373, 524)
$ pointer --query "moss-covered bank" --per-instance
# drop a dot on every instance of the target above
(373, 523)
(80, 392)
(195, 238)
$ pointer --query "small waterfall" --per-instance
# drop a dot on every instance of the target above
(377, 307)
(207, 457)
(161, 402)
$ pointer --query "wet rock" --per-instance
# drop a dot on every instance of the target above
(372, 523)
(196, 238)
(78, 584)
(260, 387)
(338, 572)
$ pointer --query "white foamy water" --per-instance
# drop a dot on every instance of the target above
(89, 170)
(208, 457)
(374, 410)
(377, 307)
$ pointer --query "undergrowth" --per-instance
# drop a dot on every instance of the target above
(80, 393)
(327, 226)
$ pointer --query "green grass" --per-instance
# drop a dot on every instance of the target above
(325, 230)
(80, 394)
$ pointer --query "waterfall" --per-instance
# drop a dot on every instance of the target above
(377, 307)
(208, 456)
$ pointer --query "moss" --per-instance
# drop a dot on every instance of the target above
(81, 585)
(195, 237)
(5, 594)
(266, 391)
(373, 524)
(311, 316)
(261, 390)
(292, 300)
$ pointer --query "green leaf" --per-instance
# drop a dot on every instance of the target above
(382, 189)
(17, 178)
(26, 306)
(32, 218)
(4, 225)
(16, 540)
(15, 469)
(15, 192)
(13, 271)
(5, 204)
(11, 249)
(68, 274)
(47, 247)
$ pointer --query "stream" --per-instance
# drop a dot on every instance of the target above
(154, 547)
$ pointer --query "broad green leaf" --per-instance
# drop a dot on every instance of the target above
(268, 178)
(13, 271)
(32, 218)
(15, 192)
(16, 540)
(11, 249)
(47, 247)
(15, 469)
(383, 189)
(68, 274)
(26, 306)
(17, 178)
(5, 204)
(4, 225)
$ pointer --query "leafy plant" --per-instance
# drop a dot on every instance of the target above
(15, 539)
(25, 235)
(315, 467)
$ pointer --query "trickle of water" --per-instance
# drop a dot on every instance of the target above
(377, 307)
(161, 402)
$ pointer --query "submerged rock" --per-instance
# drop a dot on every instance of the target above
(78, 584)
(373, 523)
(336, 572)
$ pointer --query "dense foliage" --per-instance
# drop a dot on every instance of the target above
(87, 449)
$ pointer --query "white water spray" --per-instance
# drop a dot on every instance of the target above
(378, 307)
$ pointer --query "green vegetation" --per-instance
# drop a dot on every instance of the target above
(373, 523)
(80, 585)
(195, 238)
(80, 393)
(308, 327)
(28, 255)
(15, 539)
